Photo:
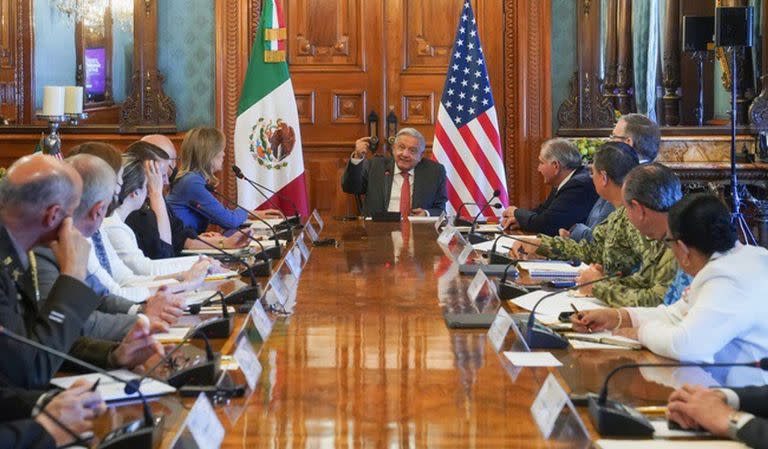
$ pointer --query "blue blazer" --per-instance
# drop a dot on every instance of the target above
(563, 208)
(191, 186)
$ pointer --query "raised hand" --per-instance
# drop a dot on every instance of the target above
(136, 347)
(362, 146)
(71, 250)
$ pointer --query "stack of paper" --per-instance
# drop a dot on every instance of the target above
(552, 268)
(222, 276)
(152, 283)
(112, 390)
(665, 444)
(603, 339)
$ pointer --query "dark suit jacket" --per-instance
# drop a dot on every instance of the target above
(17, 428)
(563, 208)
(56, 323)
(373, 178)
(754, 400)
(110, 321)
(143, 222)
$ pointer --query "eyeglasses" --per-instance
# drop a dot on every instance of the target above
(668, 241)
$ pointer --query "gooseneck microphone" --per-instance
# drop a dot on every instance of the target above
(295, 220)
(285, 234)
(139, 434)
(191, 234)
(542, 336)
(496, 194)
(265, 254)
(612, 418)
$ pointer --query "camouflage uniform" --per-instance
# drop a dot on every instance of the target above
(619, 246)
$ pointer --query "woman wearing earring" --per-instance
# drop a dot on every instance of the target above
(202, 155)
(721, 316)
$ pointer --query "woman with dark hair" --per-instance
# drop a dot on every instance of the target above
(721, 317)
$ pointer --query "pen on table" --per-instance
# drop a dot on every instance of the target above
(580, 316)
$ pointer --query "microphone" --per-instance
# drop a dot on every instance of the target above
(612, 418)
(284, 234)
(496, 194)
(293, 221)
(251, 271)
(538, 336)
(143, 433)
(460, 221)
(217, 327)
(265, 254)
(198, 374)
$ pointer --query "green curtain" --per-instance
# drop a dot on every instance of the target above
(645, 52)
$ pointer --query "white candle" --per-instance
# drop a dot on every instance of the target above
(73, 100)
(53, 100)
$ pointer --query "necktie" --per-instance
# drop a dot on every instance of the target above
(405, 196)
(101, 253)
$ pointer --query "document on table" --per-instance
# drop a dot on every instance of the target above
(221, 276)
(174, 335)
(418, 220)
(256, 224)
(606, 338)
(152, 283)
(556, 304)
(532, 359)
(669, 444)
(502, 246)
(551, 268)
(112, 390)
(197, 297)
(269, 243)
(580, 344)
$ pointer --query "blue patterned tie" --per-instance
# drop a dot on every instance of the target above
(101, 253)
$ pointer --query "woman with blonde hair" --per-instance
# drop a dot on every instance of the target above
(202, 155)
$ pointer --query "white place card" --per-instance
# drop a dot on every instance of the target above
(302, 245)
(204, 425)
(476, 285)
(464, 254)
(278, 290)
(261, 320)
(248, 362)
(293, 260)
(499, 328)
(311, 232)
(548, 404)
(320, 222)
(537, 359)
(445, 237)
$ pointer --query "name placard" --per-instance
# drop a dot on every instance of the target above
(320, 222)
(277, 292)
(311, 231)
(261, 320)
(447, 235)
(476, 285)
(302, 245)
(499, 329)
(248, 362)
(204, 425)
(293, 260)
(548, 405)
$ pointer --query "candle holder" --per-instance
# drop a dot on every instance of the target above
(51, 142)
(74, 119)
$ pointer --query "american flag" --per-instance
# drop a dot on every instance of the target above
(467, 140)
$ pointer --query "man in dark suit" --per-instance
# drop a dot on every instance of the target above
(27, 417)
(37, 198)
(571, 198)
(738, 413)
(406, 183)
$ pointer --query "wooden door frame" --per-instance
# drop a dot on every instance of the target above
(527, 93)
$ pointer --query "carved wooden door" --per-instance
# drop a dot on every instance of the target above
(7, 61)
(350, 57)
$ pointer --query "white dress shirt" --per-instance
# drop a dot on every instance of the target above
(397, 186)
(123, 240)
(119, 282)
(722, 316)
(567, 178)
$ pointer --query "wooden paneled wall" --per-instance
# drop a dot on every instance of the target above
(350, 57)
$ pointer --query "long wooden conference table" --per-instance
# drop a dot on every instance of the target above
(366, 360)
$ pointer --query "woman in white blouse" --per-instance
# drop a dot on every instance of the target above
(722, 315)
(127, 264)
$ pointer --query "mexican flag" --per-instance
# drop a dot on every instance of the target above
(267, 137)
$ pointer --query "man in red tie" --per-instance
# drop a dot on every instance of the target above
(406, 183)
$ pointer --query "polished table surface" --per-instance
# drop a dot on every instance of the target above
(366, 359)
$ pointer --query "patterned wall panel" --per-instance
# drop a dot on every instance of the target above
(323, 33)
(430, 31)
(186, 55)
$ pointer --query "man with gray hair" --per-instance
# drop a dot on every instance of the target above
(37, 199)
(571, 198)
(115, 315)
(639, 132)
(407, 183)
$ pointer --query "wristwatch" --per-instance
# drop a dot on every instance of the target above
(737, 420)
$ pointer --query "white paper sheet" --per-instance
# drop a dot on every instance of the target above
(555, 305)
(174, 335)
(549, 266)
(153, 283)
(669, 444)
(419, 220)
(532, 358)
(112, 390)
(503, 246)
(579, 344)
